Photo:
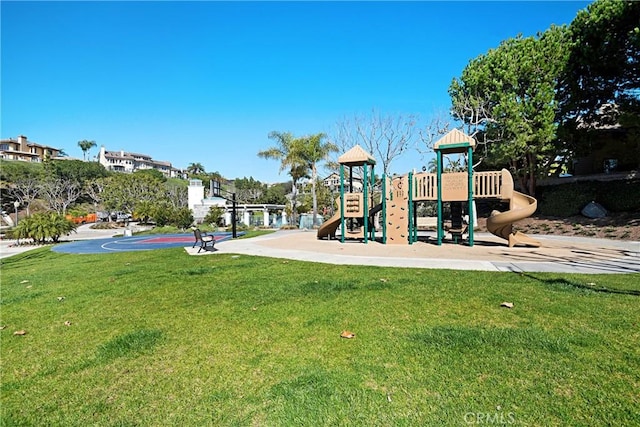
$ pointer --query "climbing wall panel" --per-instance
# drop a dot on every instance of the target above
(353, 207)
(398, 211)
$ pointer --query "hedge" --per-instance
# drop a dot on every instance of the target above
(565, 200)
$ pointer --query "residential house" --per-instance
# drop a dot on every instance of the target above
(333, 182)
(27, 151)
(610, 146)
(124, 161)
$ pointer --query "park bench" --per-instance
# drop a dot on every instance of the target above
(206, 241)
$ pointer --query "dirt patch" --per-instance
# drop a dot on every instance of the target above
(625, 226)
(108, 225)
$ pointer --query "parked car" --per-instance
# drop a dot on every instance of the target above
(103, 216)
(120, 216)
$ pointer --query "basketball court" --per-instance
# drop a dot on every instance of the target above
(133, 243)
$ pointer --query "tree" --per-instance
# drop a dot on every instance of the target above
(93, 189)
(384, 136)
(182, 217)
(325, 199)
(453, 164)
(122, 192)
(153, 173)
(176, 192)
(600, 85)
(82, 173)
(313, 150)
(297, 173)
(287, 152)
(437, 127)
(472, 108)
(145, 210)
(275, 195)
(215, 216)
(195, 169)
(60, 193)
(86, 146)
(19, 181)
(514, 88)
(161, 212)
(26, 190)
(249, 190)
(76, 170)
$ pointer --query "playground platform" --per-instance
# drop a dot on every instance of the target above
(559, 254)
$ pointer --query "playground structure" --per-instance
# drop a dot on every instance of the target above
(399, 196)
(352, 205)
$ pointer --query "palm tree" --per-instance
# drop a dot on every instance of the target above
(86, 146)
(297, 173)
(287, 151)
(313, 150)
(195, 168)
(432, 166)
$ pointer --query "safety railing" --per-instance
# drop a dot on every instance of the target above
(486, 185)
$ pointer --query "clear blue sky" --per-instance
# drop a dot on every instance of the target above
(207, 81)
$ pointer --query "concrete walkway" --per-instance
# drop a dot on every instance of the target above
(557, 254)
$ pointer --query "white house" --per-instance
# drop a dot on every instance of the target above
(272, 215)
(124, 161)
(333, 181)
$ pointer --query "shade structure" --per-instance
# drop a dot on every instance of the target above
(356, 156)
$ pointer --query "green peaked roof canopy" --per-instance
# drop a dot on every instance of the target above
(455, 141)
(356, 157)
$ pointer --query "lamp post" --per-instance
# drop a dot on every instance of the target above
(216, 192)
(16, 204)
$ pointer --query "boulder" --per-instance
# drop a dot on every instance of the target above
(594, 210)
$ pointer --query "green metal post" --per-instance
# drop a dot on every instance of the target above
(439, 184)
(384, 209)
(415, 212)
(410, 208)
(342, 225)
(373, 183)
(365, 204)
(470, 173)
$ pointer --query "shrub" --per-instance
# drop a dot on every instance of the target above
(106, 225)
(44, 226)
(164, 214)
(563, 200)
(144, 210)
(619, 196)
(161, 214)
(568, 199)
(181, 218)
(214, 216)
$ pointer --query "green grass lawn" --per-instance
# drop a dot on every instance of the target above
(172, 230)
(163, 338)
